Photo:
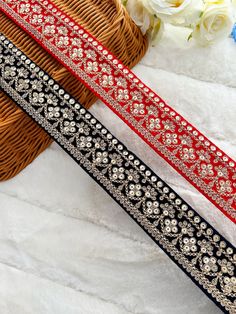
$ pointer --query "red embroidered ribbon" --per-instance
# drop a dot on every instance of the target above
(196, 158)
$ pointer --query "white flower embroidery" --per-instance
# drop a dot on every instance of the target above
(69, 126)
(22, 84)
(209, 264)
(53, 112)
(152, 208)
(24, 8)
(189, 245)
(123, 94)
(170, 225)
(188, 154)
(63, 41)
(107, 80)
(37, 19)
(50, 29)
(118, 173)
(171, 139)
(225, 186)
(92, 66)
(135, 190)
(230, 284)
(38, 97)
(101, 158)
(138, 109)
(77, 53)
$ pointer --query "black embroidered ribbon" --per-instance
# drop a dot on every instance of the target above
(200, 251)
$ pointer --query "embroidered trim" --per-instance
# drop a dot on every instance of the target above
(203, 254)
(204, 165)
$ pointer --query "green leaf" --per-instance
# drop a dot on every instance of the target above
(190, 36)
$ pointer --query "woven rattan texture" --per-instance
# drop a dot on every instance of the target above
(21, 140)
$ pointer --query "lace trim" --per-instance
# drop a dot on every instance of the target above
(203, 254)
(204, 165)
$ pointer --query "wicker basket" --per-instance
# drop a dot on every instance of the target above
(21, 140)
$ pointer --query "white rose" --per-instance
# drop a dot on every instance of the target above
(178, 12)
(234, 4)
(139, 14)
(216, 22)
(146, 20)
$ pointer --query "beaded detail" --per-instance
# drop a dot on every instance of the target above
(202, 253)
(203, 164)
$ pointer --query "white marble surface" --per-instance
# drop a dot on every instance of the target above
(67, 247)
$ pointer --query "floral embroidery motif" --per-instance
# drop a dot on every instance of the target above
(160, 126)
(192, 243)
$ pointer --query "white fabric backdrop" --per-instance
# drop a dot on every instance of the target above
(67, 247)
